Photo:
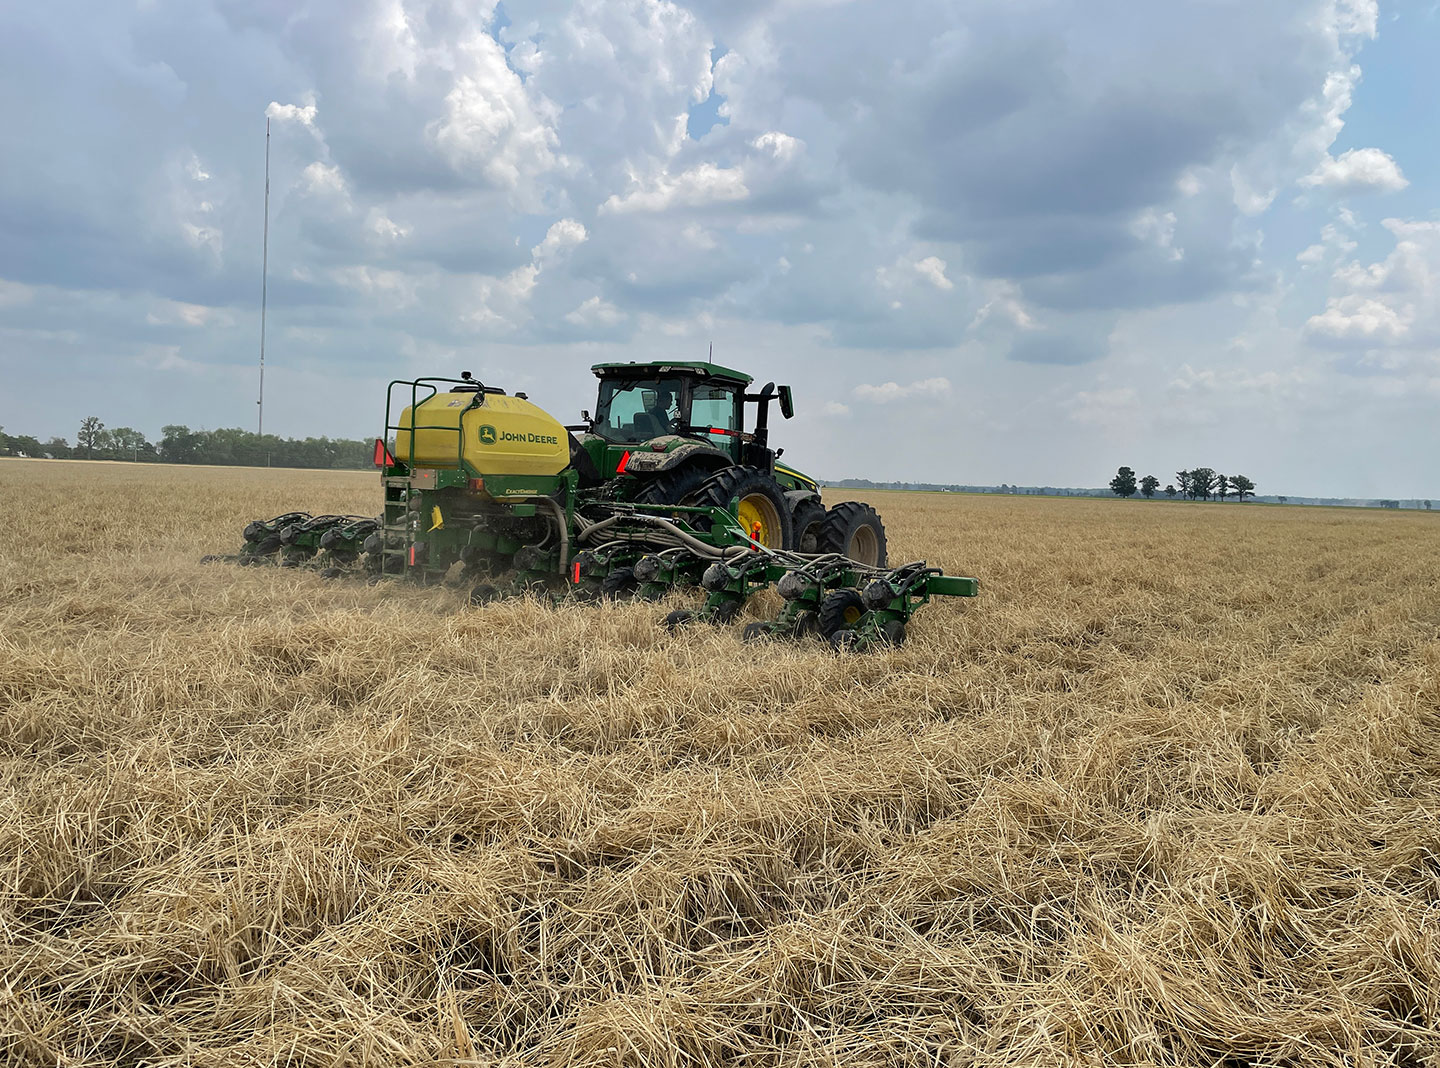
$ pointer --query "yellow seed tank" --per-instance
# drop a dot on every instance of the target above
(500, 435)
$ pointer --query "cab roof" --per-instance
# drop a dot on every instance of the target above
(698, 368)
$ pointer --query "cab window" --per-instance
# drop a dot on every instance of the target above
(635, 410)
(713, 408)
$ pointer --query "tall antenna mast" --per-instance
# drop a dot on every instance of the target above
(264, 281)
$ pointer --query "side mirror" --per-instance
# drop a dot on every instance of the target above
(585, 415)
(787, 403)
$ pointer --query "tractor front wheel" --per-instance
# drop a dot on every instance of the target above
(854, 530)
(808, 519)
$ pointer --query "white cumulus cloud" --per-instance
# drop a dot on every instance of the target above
(705, 184)
(596, 312)
(779, 145)
(1360, 170)
(889, 392)
(932, 270)
(384, 227)
(1395, 302)
(323, 178)
(491, 125)
(562, 235)
(179, 313)
(304, 114)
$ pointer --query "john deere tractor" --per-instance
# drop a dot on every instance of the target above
(668, 485)
(675, 433)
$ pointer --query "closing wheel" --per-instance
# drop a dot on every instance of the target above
(755, 632)
(727, 612)
(854, 530)
(840, 610)
(807, 625)
(619, 583)
(893, 632)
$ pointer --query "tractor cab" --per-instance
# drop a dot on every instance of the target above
(686, 402)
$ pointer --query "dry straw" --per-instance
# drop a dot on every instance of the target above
(1165, 794)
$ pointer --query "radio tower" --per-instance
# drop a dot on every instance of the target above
(264, 279)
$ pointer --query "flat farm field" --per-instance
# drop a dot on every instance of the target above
(1167, 792)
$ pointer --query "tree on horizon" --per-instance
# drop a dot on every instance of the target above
(90, 436)
(1123, 484)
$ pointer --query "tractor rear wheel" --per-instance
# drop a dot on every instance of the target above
(762, 511)
(672, 487)
(808, 520)
(854, 530)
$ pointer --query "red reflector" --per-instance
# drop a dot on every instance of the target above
(382, 454)
(575, 573)
(412, 556)
(624, 463)
(477, 484)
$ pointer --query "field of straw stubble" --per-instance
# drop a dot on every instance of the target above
(1166, 793)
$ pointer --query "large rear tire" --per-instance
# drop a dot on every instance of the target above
(763, 510)
(854, 530)
(672, 487)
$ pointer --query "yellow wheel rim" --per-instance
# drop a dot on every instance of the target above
(761, 520)
(852, 615)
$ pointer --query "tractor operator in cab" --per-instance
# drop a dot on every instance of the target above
(657, 410)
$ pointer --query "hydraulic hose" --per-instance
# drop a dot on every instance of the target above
(560, 525)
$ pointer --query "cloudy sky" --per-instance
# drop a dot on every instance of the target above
(993, 240)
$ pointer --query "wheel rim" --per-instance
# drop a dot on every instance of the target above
(865, 547)
(761, 519)
(852, 614)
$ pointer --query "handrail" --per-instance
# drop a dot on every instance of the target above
(415, 401)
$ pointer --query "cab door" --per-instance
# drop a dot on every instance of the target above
(715, 416)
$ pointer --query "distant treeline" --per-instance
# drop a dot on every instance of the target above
(181, 445)
(1191, 487)
(938, 487)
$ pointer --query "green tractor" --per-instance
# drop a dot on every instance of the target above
(663, 488)
(675, 433)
